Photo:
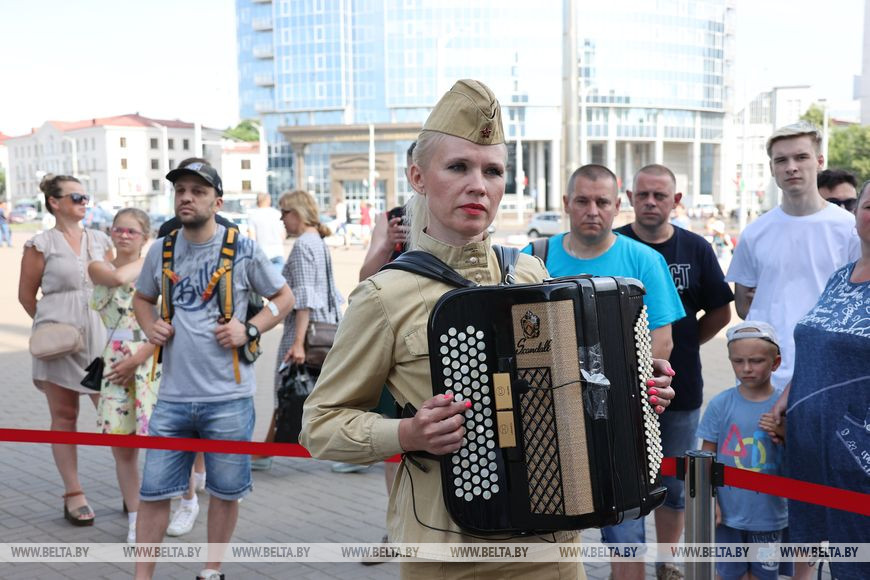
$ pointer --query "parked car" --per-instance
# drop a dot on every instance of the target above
(240, 219)
(18, 216)
(545, 224)
(25, 210)
(97, 218)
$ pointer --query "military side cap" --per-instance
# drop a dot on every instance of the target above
(470, 111)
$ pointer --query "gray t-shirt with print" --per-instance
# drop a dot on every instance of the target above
(195, 367)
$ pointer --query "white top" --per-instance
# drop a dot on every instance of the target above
(268, 230)
(788, 260)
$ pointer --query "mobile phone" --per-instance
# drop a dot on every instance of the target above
(398, 211)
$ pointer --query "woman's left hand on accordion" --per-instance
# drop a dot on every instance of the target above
(659, 387)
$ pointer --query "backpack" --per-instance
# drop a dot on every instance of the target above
(540, 246)
(222, 283)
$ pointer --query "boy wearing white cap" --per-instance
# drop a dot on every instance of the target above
(731, 427)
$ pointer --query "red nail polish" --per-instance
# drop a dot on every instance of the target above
(653, 391)
(650, 382)
(467, 404)
(653, 400)
(448, 396)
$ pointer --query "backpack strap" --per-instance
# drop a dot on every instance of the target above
(222, 281)
(426, 265)
(507, 261)
(168, 279)
(540, 246)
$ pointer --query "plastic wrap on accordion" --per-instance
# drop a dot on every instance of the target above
(598, 385)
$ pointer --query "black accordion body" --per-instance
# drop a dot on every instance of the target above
(560, 435)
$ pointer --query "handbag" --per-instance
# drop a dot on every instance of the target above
(297, 382)
(320, 335)
(55, 339)
(94, 371)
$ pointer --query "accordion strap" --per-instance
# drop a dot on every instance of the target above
(426, 265)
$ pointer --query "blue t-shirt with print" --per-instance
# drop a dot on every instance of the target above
(629, 259)
(731, 422)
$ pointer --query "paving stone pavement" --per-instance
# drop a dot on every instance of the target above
(299, 500)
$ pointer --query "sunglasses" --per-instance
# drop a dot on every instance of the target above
(78, 198)
(846, 204)
(126, 232)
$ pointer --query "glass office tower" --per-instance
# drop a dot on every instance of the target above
(326, 75)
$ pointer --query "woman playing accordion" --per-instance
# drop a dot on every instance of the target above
(459, 170)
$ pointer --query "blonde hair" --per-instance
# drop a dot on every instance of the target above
(305, 207)
(795, 130)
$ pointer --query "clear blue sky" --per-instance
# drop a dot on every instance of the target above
(76, 59)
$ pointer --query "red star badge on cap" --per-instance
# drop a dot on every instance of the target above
(486, 132)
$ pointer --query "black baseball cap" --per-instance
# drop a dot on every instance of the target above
(199, 169)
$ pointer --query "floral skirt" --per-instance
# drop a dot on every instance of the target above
(125, 410)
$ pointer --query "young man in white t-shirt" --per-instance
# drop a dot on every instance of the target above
(785, 257)
(267, 229)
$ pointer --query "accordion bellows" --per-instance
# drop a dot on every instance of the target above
(560, 435)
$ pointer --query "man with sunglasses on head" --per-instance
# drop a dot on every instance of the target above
(839, 187)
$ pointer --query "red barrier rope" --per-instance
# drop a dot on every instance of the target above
(814, 493)
(823, 495)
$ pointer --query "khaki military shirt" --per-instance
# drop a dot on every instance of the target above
(383, 340)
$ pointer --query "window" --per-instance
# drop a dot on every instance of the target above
(246, 185)
(155, 185)
(172, 164)
(154, 142)
(185, 144)
(246, 163)
(172, 143)
(123, 164)
(123, 141)
(155, 164)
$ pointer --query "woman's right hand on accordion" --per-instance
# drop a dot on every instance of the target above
(659, 387)
(437, 427)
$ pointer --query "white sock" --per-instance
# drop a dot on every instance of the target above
(131, 518)
(189, 503)
(198, 479)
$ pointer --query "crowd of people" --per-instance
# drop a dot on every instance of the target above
(801, 275)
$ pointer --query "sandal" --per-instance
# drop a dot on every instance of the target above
(78, 517)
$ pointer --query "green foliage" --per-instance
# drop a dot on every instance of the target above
(815, 115)
(2, 183)
(247, 130)
(849, 148)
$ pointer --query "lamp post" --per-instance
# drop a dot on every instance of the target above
(825, 120)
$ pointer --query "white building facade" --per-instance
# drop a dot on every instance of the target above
(121, 160)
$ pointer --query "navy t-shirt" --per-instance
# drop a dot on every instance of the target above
(701, 285)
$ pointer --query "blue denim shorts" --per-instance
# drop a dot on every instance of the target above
(678, 436)
(167, 472)
(770, 570)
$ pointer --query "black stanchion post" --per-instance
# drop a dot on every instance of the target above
(701, 478)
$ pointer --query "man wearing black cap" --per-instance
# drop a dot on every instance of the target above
(204, 391)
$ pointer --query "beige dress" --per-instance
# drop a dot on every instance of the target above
(66, 292)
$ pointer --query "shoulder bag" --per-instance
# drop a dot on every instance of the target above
(53, 340)
(320, 335)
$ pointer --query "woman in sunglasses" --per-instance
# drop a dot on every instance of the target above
(56, 262)
(128, 392)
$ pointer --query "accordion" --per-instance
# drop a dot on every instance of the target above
(560, 435)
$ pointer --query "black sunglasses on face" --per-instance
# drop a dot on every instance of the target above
(846, 204)
(78, 198)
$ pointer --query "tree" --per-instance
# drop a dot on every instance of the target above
(2, 183)
(247, 130)
(815, 115)
(849, 148)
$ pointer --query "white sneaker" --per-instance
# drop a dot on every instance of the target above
(182, 520)
(131, 533)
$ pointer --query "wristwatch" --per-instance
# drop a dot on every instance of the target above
(252, 332)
